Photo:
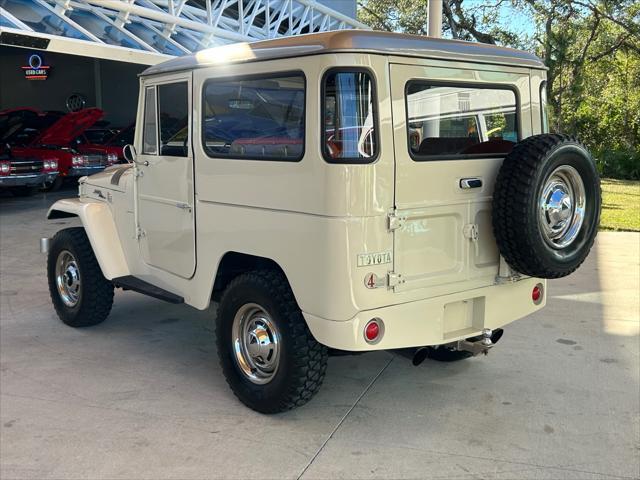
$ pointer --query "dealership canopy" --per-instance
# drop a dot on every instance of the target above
(150, 31)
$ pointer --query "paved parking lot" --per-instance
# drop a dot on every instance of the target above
(142, 396)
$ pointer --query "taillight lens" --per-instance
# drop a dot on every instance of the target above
(5, 168)
(373, 330)
(537, 294)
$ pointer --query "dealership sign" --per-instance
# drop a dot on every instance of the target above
(36, 70)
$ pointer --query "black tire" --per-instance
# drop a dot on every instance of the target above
(517, 225)
(302, 360)
(95, 293)
(54, 185)
(444, 354)
(23, 191)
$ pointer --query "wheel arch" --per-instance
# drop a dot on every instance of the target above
(233, 263)
(100, 227)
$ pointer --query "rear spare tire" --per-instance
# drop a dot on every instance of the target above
(546, 206)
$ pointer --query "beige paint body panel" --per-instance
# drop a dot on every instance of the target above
(98, 221)
(318, 221)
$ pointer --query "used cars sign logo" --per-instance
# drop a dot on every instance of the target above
(36, 70)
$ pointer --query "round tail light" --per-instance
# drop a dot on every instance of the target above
(373, 330)
(537, 294)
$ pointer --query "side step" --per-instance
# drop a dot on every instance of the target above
(129, 282)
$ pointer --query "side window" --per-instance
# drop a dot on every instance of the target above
(255, 118)
(349, 117)
(174, 119)
(150, 128)
(456, 121)
(544, 113)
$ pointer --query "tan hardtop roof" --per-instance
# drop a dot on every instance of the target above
(365, 41)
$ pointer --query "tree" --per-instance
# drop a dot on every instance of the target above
(591, 48)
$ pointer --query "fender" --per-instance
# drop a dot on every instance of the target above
(97, 221)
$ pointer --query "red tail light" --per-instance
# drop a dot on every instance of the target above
(373, 330)
(537, 294)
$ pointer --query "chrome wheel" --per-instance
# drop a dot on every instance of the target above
(68, 278)
(561, 207)
(256, 343)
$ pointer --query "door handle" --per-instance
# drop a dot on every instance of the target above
(184, 206)
(467, 183)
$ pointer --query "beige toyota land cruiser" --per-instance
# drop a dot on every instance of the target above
(343, 191)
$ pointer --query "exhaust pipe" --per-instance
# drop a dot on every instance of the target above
(474, 345)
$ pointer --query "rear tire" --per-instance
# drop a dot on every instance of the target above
(444, 354)
(268, 355)
(80, 294)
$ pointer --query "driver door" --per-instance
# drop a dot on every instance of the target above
(165, 185)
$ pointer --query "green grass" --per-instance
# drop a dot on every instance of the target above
(620, 205)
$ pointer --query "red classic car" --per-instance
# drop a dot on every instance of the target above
(22, 176)
(51, 135)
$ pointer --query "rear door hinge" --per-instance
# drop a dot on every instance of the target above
(470, 231)
(394, 279)
(395, 222)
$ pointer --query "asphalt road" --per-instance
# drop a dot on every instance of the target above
(142, 395)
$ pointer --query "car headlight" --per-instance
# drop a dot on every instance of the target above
(53, 164)
(77, 160)
(5, 168)
(112, 158)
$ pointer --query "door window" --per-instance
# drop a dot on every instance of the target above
(150, 129)
(447, 121)
(173, 104)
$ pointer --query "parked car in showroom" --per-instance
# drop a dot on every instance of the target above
(287, 179)
(53, 135)
(112, 143)
(22, 176)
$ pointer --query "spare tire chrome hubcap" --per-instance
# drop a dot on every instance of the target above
(68, 278)
(256, 343)
(562, 207)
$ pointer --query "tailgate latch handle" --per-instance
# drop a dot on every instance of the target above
(467, 183)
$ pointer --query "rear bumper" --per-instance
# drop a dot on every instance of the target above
(85, 171)
(432, 321)
(27, 180)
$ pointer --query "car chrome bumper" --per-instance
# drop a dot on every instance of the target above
(432, 321)
(84, 171)
(27, 180)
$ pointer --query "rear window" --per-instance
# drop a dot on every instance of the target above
(447, 121)
(349, 124)
(257, 118)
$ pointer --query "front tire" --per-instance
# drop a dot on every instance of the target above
(80, 294)
(269, 357)
(53, 185)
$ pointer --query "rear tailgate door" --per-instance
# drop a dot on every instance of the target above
(450, 139)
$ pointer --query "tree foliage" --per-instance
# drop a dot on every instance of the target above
(591, 47)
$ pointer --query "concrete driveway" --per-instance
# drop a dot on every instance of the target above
(142, 396)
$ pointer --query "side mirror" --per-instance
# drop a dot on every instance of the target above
(129, 153)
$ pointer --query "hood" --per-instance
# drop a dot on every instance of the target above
(110, 179)
(67, 128)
